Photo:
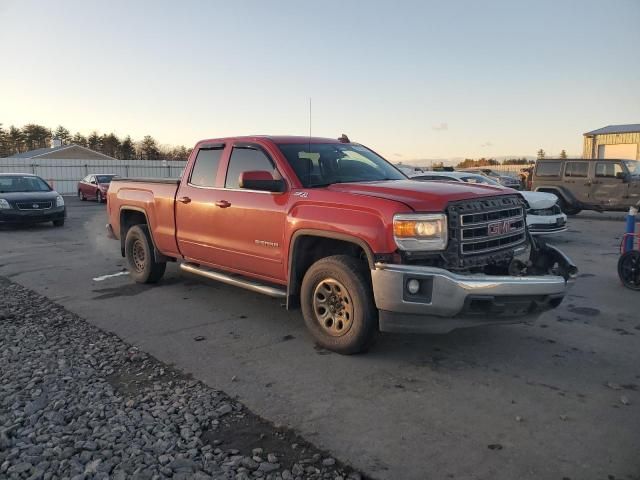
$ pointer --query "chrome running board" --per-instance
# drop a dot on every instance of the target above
(234, 280)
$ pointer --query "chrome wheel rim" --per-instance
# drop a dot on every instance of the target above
(80, 195)
(138, 254)
(99, 197)
(333, 307)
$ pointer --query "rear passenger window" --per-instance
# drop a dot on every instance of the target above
(205, 168)
(608, 169)
(576, 169)
(245, 160)
(548, 169)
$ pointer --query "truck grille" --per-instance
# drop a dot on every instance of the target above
(485, 226)
(33, 205)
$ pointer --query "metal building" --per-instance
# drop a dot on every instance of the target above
(614, 141)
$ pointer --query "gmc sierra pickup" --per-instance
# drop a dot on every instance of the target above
(333, 228)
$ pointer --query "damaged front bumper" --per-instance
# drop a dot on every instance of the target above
(446, 301)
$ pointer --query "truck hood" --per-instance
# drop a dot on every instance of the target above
(421, 196)
(539, 200)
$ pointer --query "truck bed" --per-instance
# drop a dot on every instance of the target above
(153, 197)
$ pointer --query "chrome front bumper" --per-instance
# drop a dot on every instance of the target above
(447, 300)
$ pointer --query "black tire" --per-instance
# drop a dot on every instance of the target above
(58, 223)
(81, 195)
(629, 269)
(352, 324)
(567, 208)
(138, 250)
(99, 196)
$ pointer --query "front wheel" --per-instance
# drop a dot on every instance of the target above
(58, 223)
(99, 196)
(337, 304)
(138, 250)
(629, 269)
(567, 208)
(81, 196)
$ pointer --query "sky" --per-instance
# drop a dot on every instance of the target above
(410, 79)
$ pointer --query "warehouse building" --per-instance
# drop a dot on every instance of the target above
(614, 141)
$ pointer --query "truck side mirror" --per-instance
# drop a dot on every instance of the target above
(261, 180)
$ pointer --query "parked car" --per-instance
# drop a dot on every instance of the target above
(94, 187)
(26, 198)
(544, 215)
(589, 184)
(500, 177)
(334, 228)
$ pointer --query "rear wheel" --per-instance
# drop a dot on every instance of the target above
(337, 304)
(629, 269)
(138, 249)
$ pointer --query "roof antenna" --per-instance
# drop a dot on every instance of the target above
(344, 139)
(309, 120)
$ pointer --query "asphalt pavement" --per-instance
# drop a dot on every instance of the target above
(555, 399)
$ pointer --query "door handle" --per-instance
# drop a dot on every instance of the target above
(184, 200)
(223, 204)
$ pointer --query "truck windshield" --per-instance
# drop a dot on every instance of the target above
(633, 166)
(22, 183)
(322, 164)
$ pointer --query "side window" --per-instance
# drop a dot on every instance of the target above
(205, 168)
(245, 160)
(576, 169)
(548, 169)
(92, 179)
(86, 179)
(608, 169)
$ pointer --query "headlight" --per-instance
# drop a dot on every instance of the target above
(420, 231)
(59, 201)
(4, 204)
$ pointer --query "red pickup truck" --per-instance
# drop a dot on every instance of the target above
(333, 228)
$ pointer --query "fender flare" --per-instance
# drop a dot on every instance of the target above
(292, 280)
(562, 193)
(158, 256)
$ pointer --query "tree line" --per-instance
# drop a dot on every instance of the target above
(488, 162)
(15, 140)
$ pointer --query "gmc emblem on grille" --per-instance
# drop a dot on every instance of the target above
(499, 228)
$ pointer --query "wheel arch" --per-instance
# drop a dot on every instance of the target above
(130, 216)
(320, 244)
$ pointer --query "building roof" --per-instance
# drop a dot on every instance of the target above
(630, 128)
(44, 152)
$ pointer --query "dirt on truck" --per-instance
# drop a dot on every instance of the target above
(336, 230)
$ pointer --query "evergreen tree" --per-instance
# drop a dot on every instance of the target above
(93, 141)
(16, 140)
(79, 139)
(36, 136)
(149, 148)
(63, 134)
(5, 146)
(563, 154)
(127, 149)
(541, 154)
(110, 145)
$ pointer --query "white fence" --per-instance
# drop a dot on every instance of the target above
(64, 175)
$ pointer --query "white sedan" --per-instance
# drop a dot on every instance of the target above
(543, 213)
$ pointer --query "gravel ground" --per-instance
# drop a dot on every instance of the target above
(77, 402)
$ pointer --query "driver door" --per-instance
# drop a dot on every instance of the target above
(608, 190)
(250, 223)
